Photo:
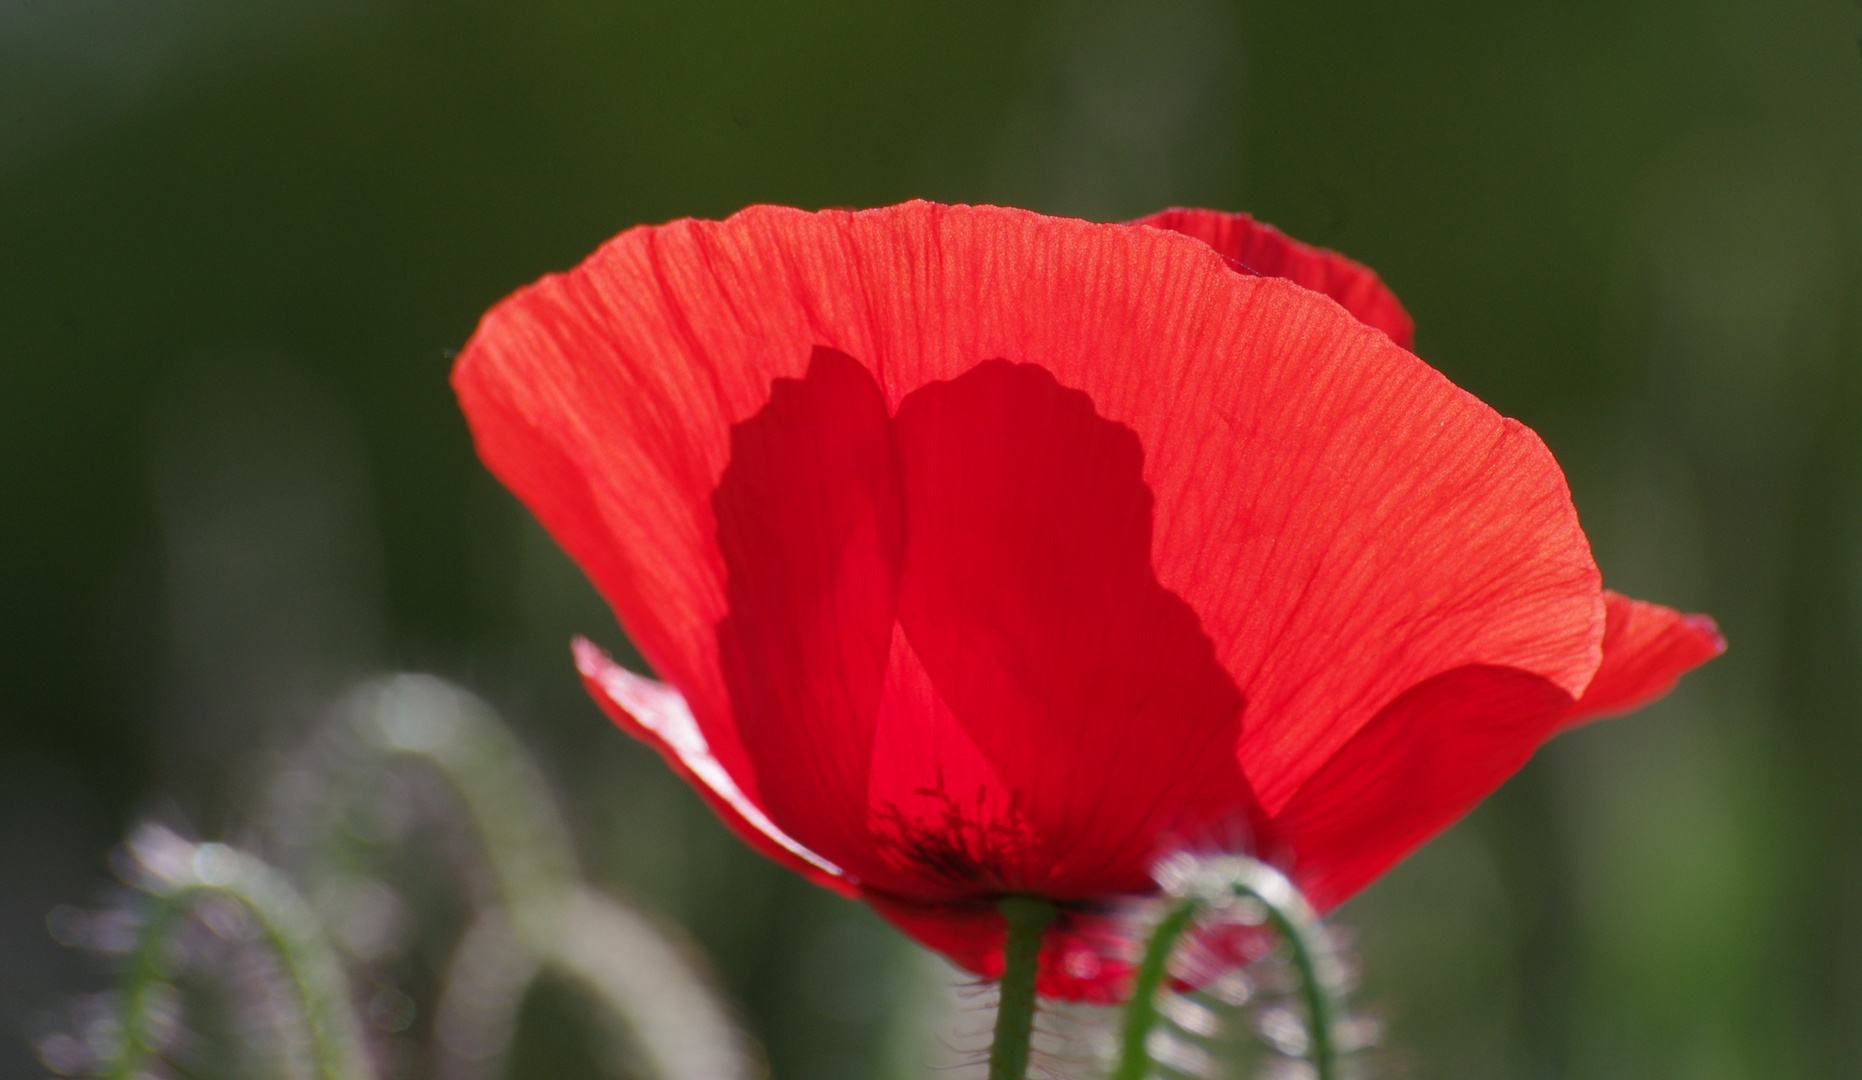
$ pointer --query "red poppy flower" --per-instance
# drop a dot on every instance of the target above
(984, 552)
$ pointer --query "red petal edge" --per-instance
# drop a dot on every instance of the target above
(655, 714)
(1646, 649)
(1431, 755)
(1258, 248)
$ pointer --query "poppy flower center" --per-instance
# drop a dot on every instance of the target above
(947, 651)
(963, 842)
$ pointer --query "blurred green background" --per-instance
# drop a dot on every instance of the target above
(239, 243)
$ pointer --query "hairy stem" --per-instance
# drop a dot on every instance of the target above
(673, 1023)
(1141, 1014)
(138, 987)
(1315, 984)
(1292, 918)
(286, 926)
(1028, 918)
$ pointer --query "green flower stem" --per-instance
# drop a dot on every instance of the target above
(1302, 938)
(139, 986)
(504, 795)
(676, 1028)
(1028, 918)
(286, 925)
(1290, 916)
(1141, 1014)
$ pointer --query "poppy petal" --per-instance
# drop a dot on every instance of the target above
(655, 714)
(970, 935)
(1343, 521)
(1259, 248)
(1085, 955)
(571, 410)
(1350, 524)
(1424, 761)
(1646, 649)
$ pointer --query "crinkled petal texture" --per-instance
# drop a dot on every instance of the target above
(1258, 248)
(989, 552)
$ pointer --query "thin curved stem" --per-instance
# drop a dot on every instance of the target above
(138, 987)
(286, 925)
(1290, 916)
(673, 1022)
(1315, 984)
(1141, 1014)
(1028, 918)
(504, 795)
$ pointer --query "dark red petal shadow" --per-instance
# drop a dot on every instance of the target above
(808, 517)
(1259, 248)
(1048, 711)
(1029, 594)
(1420, 764)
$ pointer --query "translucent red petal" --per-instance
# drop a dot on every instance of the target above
(986, 551)
(1646, 650)
(1259, 248)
